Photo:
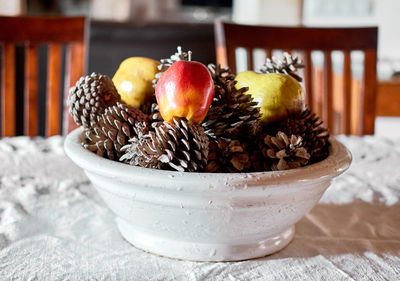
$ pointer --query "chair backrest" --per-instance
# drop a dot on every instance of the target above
(304, 40)
(55, 32)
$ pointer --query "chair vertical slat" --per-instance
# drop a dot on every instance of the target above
(368, 94)
(318, 90)
(250, 63)
(8, 90)
(221, 56)
(220, 46)
(308, 79)
(268, 53)
(231, 52)
(31, 91)
(327, 99)
(53, 90)
(347, 77)
(75, 68)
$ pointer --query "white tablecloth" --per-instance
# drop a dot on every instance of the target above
(54, 226)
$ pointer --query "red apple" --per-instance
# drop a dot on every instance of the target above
(186, 89)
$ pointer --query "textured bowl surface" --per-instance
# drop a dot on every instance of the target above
(207, 216)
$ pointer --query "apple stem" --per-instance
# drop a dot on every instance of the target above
(189, 55)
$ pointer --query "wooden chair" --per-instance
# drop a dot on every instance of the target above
(32, 31)
(356, 117)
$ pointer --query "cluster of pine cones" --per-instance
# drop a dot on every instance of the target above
(230, 139)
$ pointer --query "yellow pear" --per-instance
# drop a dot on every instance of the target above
(277, 94)
(133, 80)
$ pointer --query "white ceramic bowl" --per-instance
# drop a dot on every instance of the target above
(207, 216)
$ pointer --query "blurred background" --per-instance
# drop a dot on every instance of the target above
(153, 28)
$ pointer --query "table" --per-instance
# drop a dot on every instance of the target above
(54, 225)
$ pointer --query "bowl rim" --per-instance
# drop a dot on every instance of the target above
(336, 163)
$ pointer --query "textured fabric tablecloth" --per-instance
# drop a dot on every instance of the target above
(54, 225)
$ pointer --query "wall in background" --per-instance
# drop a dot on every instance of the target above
(110, 43)
(12, 8)
(267, 12)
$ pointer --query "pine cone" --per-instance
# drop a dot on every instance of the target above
(309, 127)
(282, 152)
(228, 156)
(147, 106)
(232, 113)
(155, 116)
(288, 65)
(220, 75)
(91, 95)
(113, 129)
(166, 63)
(182, 146)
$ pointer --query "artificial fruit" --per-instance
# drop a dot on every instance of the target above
(133, 80)
(185, 90)
(277, 94)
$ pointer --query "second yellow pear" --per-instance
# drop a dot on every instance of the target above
(133, 80)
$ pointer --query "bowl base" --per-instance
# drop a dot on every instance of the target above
(186, 250)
